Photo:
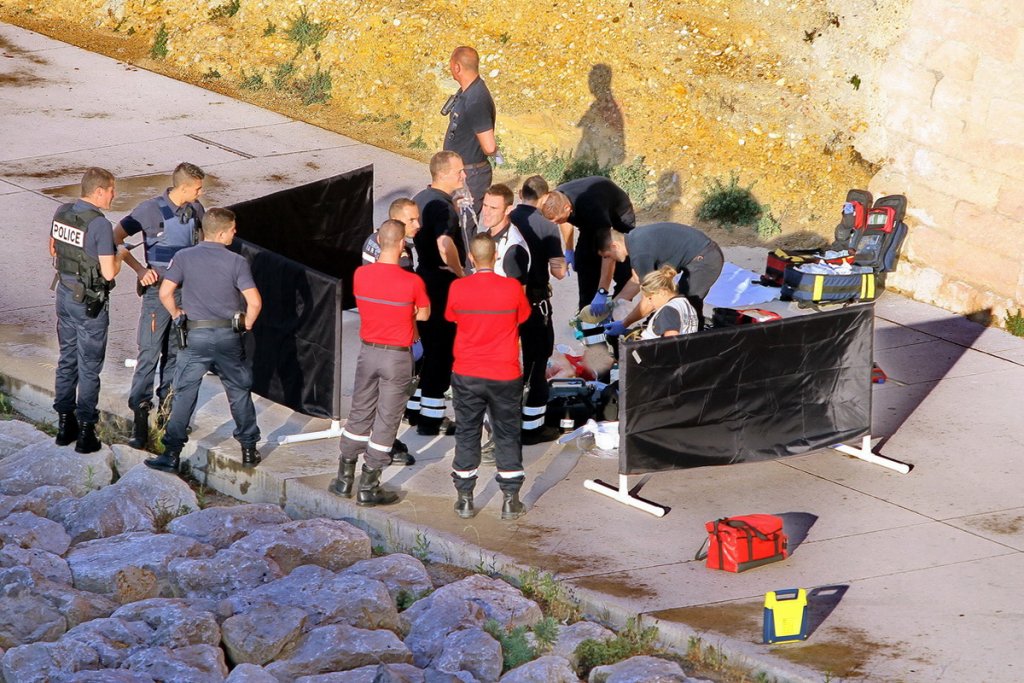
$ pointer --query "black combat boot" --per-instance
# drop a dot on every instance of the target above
(140, 428)
(464, 504)
(87, 441)
(344, 483)
(250, 456)
(371, 493)
(400, 454)
(167, 462)
(512, 507)
(67, 428)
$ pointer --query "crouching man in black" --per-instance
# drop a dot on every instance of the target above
(211, 278)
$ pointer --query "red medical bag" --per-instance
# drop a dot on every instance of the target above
(736, 544)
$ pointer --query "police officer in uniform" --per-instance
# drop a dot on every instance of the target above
(592, 205)
(537, 333)
(487, 310)
(471, 123)
(82, 246)
(441, 251)
(211, 278)
(169, 222)
(390, 301)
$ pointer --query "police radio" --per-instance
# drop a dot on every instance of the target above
(450, 103)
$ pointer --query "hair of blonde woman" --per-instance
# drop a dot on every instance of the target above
(657, 281)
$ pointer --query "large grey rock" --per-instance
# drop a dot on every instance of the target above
(141, 500)
(225, 574)
(339, 647)
(222, 526)
(44, 463)
(27, 530)
(109, 676)
(257, 637)
(34, 608)
(326, 597)
(47, 565)
(250, 673)
(432, 624)
(641, 669)
(112, 639)
(190, 664)
(125, 564)
(400, 573)
(15, 435)
(125, 457)
(499, 600)
(174, 623)
(570, 637)
(473, 650)
(547, 669)
(381, 673)
(46, 662)
(38, 501)
(328, 543)
(431, 675)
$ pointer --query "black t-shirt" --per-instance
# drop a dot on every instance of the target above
(598, 204)
(437, 217)
(473, 113)
(516, 262)
(543, 239)
(652, 246)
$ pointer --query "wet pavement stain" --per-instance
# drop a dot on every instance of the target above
(618, 585)
(737, 620)
(844, 653)
(131, 191)
(999, 524)
(19, 79)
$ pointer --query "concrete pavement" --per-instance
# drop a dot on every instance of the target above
(918, 576)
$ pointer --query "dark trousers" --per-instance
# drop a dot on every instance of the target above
(383, 378)
(477, 182)
(158, 350)
(699, 275)
(501, 400)
(220, 350)
(83, 348)
(438, 337)
(538, 339)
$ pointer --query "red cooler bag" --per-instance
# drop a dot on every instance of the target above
(736, 544)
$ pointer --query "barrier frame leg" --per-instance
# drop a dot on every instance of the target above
(622, 495)
(865, 453)
(334, 431)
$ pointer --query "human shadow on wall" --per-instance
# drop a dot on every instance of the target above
(604, 136)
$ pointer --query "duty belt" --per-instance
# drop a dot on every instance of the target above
(479, 164)
(535, 295)
(203, 324)
(386, 347)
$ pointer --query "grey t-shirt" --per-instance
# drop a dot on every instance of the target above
(211, 278)
(653, 246)
(148, 218)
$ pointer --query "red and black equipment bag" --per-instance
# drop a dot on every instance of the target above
(728, 317)
(736, 544)
(779, 260)
(878, 243)
(855, 217)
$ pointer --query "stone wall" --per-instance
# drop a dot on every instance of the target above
(953, 141)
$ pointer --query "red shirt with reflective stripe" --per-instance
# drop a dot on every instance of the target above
(488, 310)
(387, 296)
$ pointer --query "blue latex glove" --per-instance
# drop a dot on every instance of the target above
(599, 306)
(615, 329)
(417, 349)
(570, 259)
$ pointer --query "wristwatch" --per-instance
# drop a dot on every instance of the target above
(602, 291)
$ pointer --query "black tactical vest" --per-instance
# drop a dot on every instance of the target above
(69, 231)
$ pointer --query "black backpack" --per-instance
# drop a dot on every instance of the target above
(877, 244)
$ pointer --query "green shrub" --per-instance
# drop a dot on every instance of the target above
(632, 178)
(730, 205)
(305, 32)
(228, 9)
(631, 642)
(768, 226)
(159, 49)
(253, 82)
(515, 649)
(559, 168)
(270, 30)
(1015, 323)
(317, 88)
(282, 73)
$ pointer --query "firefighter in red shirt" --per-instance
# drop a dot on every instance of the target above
(390, 300)
(486, 376)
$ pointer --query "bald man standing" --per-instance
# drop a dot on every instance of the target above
(471, 123)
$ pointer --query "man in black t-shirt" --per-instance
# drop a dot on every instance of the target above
(471, 123)
(441, 250)
(537, 333)
(592, 205)
(696, 257)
